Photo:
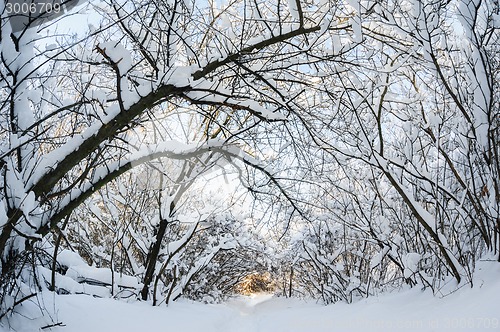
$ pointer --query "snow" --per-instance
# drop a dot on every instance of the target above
(85, 273)
(496, 20)
(80, 271)
(294, 10)
(70, 258)
(118, 54)
(411, 261)
(468, 309)
(377, 259)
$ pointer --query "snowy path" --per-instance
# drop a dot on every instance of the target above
(466, 310)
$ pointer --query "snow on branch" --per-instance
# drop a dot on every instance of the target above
(105, 174)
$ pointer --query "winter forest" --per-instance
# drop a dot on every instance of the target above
(197, 150)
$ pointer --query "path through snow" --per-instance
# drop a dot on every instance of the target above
(412, 310)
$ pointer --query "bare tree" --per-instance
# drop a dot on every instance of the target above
(74, 112)
(409, 151)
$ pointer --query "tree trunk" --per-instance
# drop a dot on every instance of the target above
(152, 258)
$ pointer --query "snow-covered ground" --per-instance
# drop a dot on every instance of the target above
(467, 309)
